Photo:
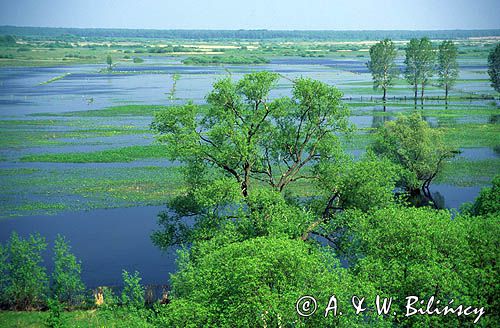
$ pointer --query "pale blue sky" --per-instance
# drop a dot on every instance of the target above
(254, 14)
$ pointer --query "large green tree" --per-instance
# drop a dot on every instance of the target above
(382, 65)
(410, 142)
(447, 66)
(494, 67)
(419, 63)
(245, 142)
(250, 137)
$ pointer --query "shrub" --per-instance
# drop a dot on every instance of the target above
(67, 285)
(55, 320)
(25, 282)
(133, 292)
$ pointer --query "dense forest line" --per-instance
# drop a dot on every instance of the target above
(51, 32)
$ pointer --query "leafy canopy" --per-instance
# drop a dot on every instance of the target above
(249, 137)
(494, 67)
(382, 64)
(410, 142)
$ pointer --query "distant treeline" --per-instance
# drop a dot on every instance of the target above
(240, 34)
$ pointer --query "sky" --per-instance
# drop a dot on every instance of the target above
(254, 14)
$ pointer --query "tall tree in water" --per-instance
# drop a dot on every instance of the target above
(426, 59)
(412, 73)
(419, 64)
(494, 67)
(382, 65)
(447, 66)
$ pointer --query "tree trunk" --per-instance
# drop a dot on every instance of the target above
(446, 93)
(246, 180)
(422, 96)
(416, 94)
(384, 98)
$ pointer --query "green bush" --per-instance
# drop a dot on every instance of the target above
(55, 319)
(24, 281)
(133, 293)
(67, 286)
(488, 200)
(256, 283)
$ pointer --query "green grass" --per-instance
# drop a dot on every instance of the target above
(77, 319)
(114, 111)
(473, 135)
(125, 154)
(466, 173)
(60, 77)
(16, 123)
(86, 188)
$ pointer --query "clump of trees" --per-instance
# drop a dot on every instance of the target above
(24, 283)
(420, 65)
(255, 247)
(419, 62)
(494, 67)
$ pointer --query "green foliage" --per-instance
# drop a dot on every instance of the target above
(242, 140)
(25, 283)
(133, 293)
(173, 89)
(447, 65)
(410, 142)
(382, 64)
(55, 318)
(256, 283)
(424, 252)
(488, 201)
(494, 67)
(365, 184)
(419, 63)
(109, 61)
(138, 60)
(67, 286)
(7, 40)
(247, 137)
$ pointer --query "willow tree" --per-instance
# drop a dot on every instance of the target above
(245, 140)
(382, 66)
(249, 137)
(447, 66)
(419, 149)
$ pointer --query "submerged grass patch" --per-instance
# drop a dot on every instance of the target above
(121, 110)
(53, 190)
(473, 135)
(125, 154)
(465, 173)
